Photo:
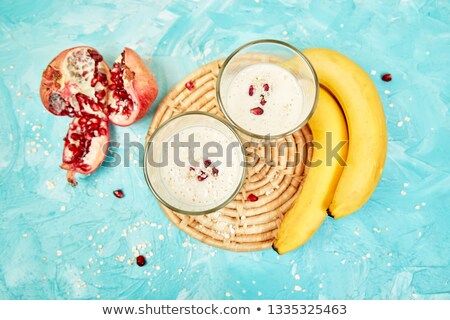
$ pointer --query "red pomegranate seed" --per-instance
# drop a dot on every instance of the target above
(257, 111)
(386, 77)
(190, 85)
(72, 147)
(85, 167)
(118, 193)
(95, 55)
(251, 90)
(102, 131)
(202, 176)
(215, 172)
(191, 168)
(75, 136)
(266, 87)
(100, 94)
(251, 197)
(263, 101)
(207, 163)
(140, 261)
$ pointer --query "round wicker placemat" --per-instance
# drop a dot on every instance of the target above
(242, 225)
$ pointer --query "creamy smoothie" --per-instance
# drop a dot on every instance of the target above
(200, 178)
(264, 98)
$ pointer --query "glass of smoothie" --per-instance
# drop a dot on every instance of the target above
(195, 163)
(267, 87)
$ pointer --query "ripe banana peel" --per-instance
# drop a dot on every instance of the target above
(361, 103)
(336, 190)
(310, 208)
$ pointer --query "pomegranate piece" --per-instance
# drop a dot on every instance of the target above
(251, 197)
(266, 87)
(132, 89)
(78, 83)
(251, 90)
(257, 111)
(215, 172)
(140, 261)
(386, 77)
(189, 85)
(118, 193)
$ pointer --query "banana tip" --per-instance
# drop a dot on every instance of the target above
(275, 248)
(329, 213)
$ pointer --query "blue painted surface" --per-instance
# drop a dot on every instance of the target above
(57, 242)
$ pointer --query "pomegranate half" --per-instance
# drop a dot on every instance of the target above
(78, 83)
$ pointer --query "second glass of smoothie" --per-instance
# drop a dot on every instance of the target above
(267, 88)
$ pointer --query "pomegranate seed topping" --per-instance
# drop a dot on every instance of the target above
(191, 168)
(386, 77)
(215, 172)
(118, 193)
(207, 163)
(140, 261)
(266, 87)
(251, 90)
(202, 176)
(263, 101)
(251, 197)
(190, 85)
(257, 111)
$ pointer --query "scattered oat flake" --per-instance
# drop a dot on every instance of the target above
(58, 253)
(227, 294)
(161, 237)
(50, 184)
(403, 193)
(297, 288)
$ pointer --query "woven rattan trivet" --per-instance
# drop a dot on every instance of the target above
(242, 225)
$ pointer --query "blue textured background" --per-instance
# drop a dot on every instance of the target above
(57, 242)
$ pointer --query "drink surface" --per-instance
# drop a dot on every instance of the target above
(203, 181)
(273, 91)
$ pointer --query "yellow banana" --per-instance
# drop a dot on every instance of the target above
(310, 208)
(359, 99)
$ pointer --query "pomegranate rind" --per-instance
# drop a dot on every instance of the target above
(140, 83)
